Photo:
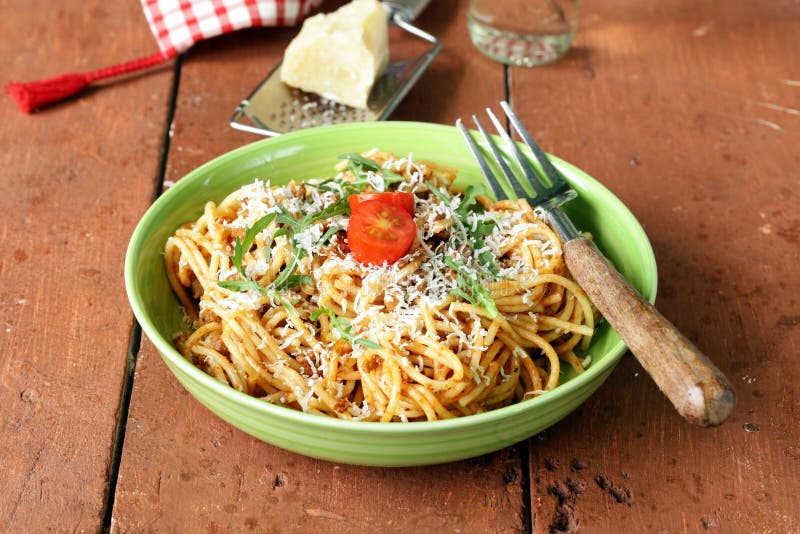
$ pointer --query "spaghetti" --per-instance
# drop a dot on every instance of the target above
(478, 314)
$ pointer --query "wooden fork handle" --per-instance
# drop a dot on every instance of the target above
(694, 385)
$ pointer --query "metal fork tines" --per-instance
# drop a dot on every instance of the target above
(547, 188)
(696, 387)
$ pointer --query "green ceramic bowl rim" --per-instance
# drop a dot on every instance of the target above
(169, 352)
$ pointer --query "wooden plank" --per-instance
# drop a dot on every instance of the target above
(689, 112)
(183, 469)
(75, 179)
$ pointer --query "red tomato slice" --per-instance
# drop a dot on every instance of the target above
(380, 232)
(397, 198)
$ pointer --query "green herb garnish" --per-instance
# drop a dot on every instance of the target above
(340, 207)
(242, 246)
(243, 285)
(358, 164)
(469, 202)
(472, 233)
(441, 195)
(287, 278)
(343, 326)
(469, 287)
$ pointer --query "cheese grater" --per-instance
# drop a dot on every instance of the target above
(274, 108)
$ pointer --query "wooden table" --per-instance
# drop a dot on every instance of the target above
(688, 111)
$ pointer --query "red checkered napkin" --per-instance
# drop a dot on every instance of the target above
(176, 25)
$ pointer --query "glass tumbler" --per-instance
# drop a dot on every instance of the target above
(523, 33)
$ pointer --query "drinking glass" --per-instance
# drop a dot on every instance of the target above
(523, 33)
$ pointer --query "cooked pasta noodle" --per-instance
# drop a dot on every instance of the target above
(478, 314)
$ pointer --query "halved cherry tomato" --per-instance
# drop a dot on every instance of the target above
(380, 232)
(397, 198)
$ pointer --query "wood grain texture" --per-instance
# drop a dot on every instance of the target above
(75, 178)
(695, 386)
(184, 469)
(689, 113)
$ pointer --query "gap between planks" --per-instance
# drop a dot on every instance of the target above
(523, 448)
(136, 331)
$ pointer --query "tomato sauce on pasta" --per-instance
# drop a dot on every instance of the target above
(479, 313)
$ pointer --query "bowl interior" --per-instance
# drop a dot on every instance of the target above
(313, 154)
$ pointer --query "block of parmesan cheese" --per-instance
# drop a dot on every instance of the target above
(340, 55)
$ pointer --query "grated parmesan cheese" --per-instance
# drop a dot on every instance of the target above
(385, 302)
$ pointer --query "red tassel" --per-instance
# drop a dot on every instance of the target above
(33, 95)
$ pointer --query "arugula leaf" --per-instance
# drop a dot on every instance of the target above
(441, 195)
(474, 232)
(484, 299)
(477, 231)
(249, 285)
(291, 225)
(241, 247)
(285, 303)
(324, 185)
(469, 287)
(296, 226)
(243, 285)
(328, 235)
(286, 275)
(359, 163)
(287, 278)
(367, 343)
(268, 247)
(362, 162)
(344, 328)
(295, 280)
(342, 186)
(486, 259)
(286, 218)
(482, 228)
(469, 202)
(340, 207)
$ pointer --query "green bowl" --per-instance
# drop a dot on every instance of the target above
(312, 154)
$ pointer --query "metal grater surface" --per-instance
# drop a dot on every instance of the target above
(274, 108)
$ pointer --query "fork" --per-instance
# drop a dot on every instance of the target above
(696, 387)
